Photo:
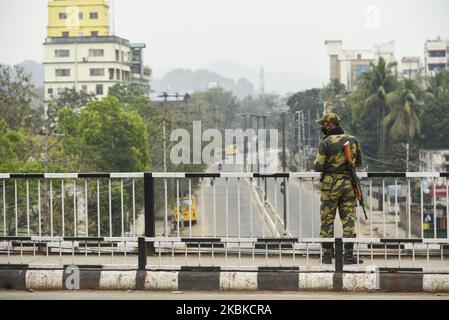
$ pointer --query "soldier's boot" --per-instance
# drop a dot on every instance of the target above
(349, 258)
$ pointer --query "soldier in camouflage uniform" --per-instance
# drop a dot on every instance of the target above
(335, 185)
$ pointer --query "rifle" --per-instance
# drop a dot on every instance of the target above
(355, 180)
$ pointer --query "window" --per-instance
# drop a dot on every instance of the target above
(65, 34)
(94, 33)
(99, 89)
(437, 66)
(93, 15)
(62, 16)
(437, 53)
(359, 69)
(80, 16)
(117, 71)
(96, 52)
(62, 53)
(96, 72)
(62, 72)
(84, 88)
(60, 91)
(50, 91)
(111, 74)
(117, 55)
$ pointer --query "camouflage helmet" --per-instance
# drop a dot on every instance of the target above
(330, 117)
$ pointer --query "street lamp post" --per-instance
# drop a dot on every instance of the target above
(284, 163)
(301, 138)
(264, 118)
(245, 143)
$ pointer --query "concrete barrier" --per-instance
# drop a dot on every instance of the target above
(371, 280)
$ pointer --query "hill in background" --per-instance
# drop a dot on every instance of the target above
(241, 80)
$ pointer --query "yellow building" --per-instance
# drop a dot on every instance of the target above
(73, 18)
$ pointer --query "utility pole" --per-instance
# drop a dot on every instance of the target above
(245, 143)
(264, 118)
(407, 147)
(284, 168)
(301, 138)
(252, 148)
(257, 149)
(165, 95)
(216, 120)
(46, 136)
(284, 163)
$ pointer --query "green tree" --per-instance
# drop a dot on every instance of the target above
(147, 71)
(333, 90)
(373, 101)
(435, 123)
(216, 107)
(69, 98)
(439, 84)
(335, 95)
(16, 94)
(403, 121)
(134, 99)
(15, 159)
(310, 102)
(107, 138)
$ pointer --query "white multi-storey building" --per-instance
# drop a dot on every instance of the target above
(410, 67)
(436, 56)
(90, 64)
(348, 65)
(434, 160)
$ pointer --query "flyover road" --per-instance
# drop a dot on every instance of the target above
(230, 208)
(303, 205)
(303, 201)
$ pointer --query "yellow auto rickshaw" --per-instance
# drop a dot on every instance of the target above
(187, 211)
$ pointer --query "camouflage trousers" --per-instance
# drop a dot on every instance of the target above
(337, 192)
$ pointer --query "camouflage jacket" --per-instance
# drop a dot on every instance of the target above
(331, 157)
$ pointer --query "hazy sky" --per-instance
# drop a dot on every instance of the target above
(281, 35)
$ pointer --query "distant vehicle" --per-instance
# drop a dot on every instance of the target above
(184, 211)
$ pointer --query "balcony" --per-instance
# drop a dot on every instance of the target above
(99, 39)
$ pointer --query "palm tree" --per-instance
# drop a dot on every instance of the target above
(403, 121)
(333, 89)
(377, 86)
(439, 86)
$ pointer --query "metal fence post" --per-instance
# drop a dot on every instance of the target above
(142, 253)
(150, 213)
(338, 255)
